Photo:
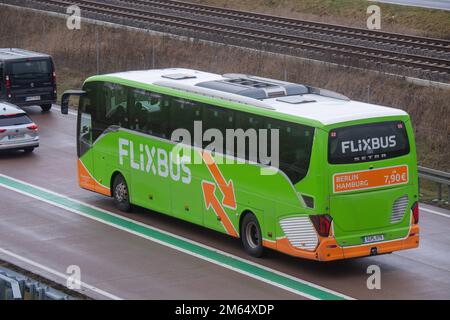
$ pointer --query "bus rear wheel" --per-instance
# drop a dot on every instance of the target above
(121, 194)
(251, 236)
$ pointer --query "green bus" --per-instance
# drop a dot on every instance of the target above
(341, 180)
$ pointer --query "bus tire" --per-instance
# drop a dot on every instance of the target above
(46, 107)
(121, 194)
(251, 236)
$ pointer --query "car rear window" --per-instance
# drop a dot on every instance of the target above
(367, 142)
(14, 120)
(26, 69)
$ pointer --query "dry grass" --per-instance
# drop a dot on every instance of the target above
(395, 18)
(120, 49)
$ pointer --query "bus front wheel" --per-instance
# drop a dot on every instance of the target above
(121, 194)
(251, 236)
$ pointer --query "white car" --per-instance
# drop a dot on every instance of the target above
(17, 130)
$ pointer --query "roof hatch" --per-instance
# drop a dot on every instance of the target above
(254, 87)
(295, 99)
(179, 76)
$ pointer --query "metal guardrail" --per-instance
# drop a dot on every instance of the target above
(15, 286)
(440, 177)
(11, 293)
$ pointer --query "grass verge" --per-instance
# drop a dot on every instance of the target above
(394, 18)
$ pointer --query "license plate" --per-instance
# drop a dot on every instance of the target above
(375, 238)
(16, 136)
(33, 98)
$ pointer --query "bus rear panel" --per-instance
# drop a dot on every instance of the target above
(373, 189)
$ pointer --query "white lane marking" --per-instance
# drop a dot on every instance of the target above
(58, 274)
(178, 237)
(72, 113)
(435, 212)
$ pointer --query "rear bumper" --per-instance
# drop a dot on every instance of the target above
(32, 103)
(20, 145)
(46, 98)
(329, 250)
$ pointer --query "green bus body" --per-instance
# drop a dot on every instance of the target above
(176, 189)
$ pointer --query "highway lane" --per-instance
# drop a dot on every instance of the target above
(430, 4)
(420, 273)
(121, 264)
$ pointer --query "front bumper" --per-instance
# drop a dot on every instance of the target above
(329, 250)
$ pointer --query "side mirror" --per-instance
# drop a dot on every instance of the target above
(66, 98)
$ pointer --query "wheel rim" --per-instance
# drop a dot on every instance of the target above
(252, 235)
(121, 192)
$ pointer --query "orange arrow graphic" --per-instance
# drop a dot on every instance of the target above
(211, 200)
(227, 189)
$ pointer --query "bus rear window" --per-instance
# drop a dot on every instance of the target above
(367, 142)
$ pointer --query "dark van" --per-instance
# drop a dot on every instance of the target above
(27, 78)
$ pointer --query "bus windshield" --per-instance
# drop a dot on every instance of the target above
(367, 142)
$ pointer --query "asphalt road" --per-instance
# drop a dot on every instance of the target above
(47, 223)
(431, 4)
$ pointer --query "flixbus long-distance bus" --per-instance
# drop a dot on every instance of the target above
(345, 184)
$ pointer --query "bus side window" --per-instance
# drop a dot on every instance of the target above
(247, 122)
(158, 116)
(116, 105)
(139, 109)
(183, 113)
(217, 118)
(149, 113)
(294, 148)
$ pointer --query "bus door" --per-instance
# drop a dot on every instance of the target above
(84, 138)
(111, 115)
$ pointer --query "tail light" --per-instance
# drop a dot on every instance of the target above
(2, 130)
(8, 86)
(415, 212)
(7, 82)
(54, 82)
(33, 127)
(322, 223)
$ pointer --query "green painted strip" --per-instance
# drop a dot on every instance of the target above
(210, 254)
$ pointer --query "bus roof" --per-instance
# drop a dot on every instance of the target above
(295, 100)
